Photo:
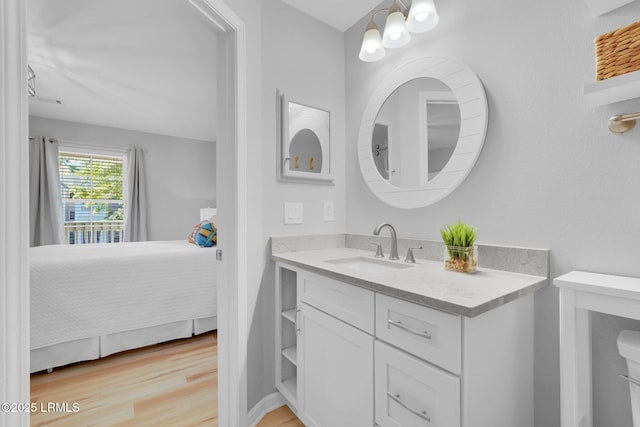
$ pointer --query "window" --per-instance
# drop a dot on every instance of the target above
(92, 197)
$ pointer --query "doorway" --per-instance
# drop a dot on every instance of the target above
(14, 283)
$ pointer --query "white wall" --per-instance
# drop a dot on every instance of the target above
(550, 175)
(305, 59)
(180, 172)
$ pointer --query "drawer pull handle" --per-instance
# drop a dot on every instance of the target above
(631, 380)
(401, 325)
(421, 414)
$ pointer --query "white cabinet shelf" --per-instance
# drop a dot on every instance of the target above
(290, 386)
(290, 315)
(615, 89)
(287, 338)
(600, 7)
(291, 353)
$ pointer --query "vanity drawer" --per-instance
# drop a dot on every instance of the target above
(410, 392)
(429, 334)
(348, 303)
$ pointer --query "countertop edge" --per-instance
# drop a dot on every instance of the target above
(422, 299)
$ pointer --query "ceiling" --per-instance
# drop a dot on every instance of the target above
(339, 14)
(143, 65)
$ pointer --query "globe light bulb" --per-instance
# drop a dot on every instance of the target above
(422, 16)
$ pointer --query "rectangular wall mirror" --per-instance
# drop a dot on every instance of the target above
(304, 141)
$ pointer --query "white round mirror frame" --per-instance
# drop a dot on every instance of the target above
(472, 99)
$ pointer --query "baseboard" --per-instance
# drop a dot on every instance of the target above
(267, 404)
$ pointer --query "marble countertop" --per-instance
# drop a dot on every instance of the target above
(426, 282)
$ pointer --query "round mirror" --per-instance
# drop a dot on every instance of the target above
(415, 132)
(422, 131)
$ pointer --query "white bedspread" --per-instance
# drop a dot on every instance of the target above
(82, 291)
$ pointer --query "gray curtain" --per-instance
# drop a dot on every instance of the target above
(135, 222)
(45, 201)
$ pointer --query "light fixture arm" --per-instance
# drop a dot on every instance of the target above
(406, 8)
(374, 14)
(623, 123)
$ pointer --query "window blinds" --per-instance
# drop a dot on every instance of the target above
(92, 197)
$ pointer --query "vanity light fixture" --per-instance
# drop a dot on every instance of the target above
(372, 48)
(623, 122)
(401, 22)
(396, 33)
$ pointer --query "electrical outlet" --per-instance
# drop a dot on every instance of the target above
(329, 211)
(293, 213)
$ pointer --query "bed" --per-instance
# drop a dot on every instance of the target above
(90, 301)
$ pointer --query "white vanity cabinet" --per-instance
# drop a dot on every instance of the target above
(363, 358)
(332, 338)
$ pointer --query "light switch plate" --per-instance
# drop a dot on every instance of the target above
(329, 214)
(292, 213)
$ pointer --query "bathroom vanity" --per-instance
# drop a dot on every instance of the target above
(364, 341)
(367, 341)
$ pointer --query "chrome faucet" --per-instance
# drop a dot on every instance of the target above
(394, 238)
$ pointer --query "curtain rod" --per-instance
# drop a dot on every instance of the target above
(91, 146)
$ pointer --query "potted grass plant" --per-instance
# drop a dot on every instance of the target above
(460, 252)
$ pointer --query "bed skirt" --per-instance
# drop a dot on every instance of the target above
(94, 348)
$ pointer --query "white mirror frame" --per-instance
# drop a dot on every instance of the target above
(474, 118)
(320, 128)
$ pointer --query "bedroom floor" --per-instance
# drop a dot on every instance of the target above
(170, 384)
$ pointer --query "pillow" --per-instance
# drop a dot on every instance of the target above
(204, 234)
(194, 232)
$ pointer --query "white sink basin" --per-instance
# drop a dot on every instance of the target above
(370, 265)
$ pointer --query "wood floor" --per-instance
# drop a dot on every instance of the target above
(170, 384)
(281, 417)
(173, 384)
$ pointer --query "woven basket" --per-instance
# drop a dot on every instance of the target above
(618, 52)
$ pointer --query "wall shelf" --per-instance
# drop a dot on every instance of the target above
(615, 89)
(600, 7)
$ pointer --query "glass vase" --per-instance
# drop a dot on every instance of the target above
(462, 259)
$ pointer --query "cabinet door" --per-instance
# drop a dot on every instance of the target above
(411, 392)
(335, 361)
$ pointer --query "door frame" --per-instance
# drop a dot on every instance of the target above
(14, 215)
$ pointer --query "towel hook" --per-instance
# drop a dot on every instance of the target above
(623, 122)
